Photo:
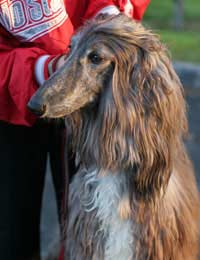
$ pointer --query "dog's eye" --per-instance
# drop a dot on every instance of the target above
(95, 58)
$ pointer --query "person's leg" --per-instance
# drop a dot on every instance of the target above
(23, 154)
(63, 168)
(58, 171)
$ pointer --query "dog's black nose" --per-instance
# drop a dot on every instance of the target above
(36, 108)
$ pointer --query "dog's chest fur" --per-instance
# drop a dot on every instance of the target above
(99, 221)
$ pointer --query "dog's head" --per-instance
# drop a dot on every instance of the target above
(82, 77)
(140, 118)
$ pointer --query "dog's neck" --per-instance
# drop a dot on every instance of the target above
(97, 145)
(106, 194)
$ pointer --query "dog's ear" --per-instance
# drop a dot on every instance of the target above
(147, 117)
(160, 121)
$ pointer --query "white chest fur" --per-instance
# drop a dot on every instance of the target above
(107, 194)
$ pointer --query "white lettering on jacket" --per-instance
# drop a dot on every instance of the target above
(30, 19)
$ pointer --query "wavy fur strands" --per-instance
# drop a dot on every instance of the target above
(100, 200)
(134, 196)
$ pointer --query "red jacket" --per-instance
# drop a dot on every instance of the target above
(31, 29)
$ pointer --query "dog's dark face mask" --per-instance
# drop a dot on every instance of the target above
(77, 82)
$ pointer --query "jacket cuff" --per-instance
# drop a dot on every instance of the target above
(45, 66)
(41, 69)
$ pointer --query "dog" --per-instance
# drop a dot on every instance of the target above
(134, 196)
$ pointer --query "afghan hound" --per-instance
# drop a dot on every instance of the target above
(134, 196)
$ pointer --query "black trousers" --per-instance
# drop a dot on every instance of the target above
(23, 154)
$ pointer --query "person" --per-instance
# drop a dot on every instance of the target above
(34, 39)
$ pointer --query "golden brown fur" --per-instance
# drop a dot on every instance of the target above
(127, 111)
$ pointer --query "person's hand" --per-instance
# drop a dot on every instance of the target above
(61, 61)
(56, 63)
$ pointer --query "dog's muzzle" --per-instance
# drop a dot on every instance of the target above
(37, 108)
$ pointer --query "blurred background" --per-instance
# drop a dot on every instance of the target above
(178, 24)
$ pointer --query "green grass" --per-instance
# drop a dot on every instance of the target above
(184, 45)
(160, 13)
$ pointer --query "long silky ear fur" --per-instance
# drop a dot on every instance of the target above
(145, 116)
(150, 114)
(161, 122)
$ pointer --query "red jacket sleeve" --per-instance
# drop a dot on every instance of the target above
(17, 82)
(139, 7)
(133, 8)
(81, 10)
